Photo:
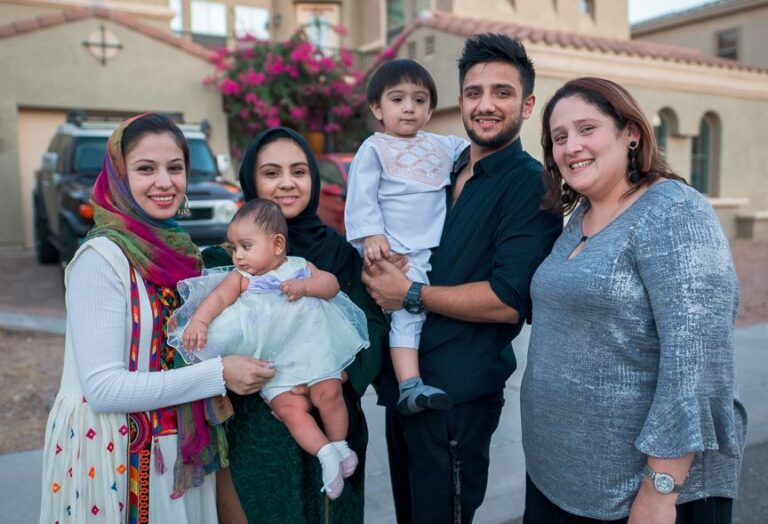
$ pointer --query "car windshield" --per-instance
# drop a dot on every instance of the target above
(89, 154)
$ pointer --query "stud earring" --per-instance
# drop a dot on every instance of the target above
(184, 211)
(633, 173)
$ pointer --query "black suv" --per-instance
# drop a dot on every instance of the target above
(61, 197)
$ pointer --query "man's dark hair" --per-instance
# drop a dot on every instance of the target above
(396, 72)
(265, 214)
(497, 47)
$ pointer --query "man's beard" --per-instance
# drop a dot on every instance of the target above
(500, 139)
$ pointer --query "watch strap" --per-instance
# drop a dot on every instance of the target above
(653, 475)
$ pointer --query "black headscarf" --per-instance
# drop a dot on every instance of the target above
(308, 236)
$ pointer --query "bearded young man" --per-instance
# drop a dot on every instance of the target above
(494, 237)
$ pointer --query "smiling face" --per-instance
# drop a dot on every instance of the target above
(589, 150)
(157, 175)
(254, 250)
(282, 175)
(492, 105)
(404, 109)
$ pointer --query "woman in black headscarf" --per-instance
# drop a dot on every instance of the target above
(274, 479)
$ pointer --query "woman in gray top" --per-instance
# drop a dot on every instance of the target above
(630, 410)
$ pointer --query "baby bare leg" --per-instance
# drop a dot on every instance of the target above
(293, 410)
(327, 398)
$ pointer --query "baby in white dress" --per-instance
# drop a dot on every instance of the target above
(287, 311)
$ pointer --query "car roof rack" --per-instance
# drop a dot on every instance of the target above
(80, 117)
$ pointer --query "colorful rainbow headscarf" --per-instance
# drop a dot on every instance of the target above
(160, 250)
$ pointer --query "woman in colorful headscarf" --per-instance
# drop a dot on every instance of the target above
(124, 442)
(275, 480)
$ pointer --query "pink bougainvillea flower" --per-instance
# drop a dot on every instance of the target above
(328, 64)
(333, 127)
(388, 53)
(275, 68)
(272, 122)
(347, 58)
(292, 71)
(342, 111)
(340, 29)
(229, 87)
(252, 78)
(299, 112)
(252, 99)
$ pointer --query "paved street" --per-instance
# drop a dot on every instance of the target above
(20, 472)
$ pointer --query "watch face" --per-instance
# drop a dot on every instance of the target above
(664, 483)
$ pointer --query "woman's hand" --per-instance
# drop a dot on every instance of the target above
(652, 507)
(245, 375)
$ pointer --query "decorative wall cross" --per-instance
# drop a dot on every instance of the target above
(103, 45)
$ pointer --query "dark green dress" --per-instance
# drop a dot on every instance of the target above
(276, 480)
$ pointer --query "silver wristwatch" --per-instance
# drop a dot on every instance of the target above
(663, 482)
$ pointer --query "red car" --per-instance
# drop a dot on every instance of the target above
(334, 173)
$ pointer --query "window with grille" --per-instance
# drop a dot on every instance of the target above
(429, 45)
(728, 44)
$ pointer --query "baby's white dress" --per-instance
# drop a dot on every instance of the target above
(308, 340)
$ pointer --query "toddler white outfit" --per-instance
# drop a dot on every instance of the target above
(397, 188)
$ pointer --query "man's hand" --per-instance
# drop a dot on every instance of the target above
(387, 285)
(375, 248)
(294, 289)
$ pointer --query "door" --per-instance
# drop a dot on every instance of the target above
(36, 129)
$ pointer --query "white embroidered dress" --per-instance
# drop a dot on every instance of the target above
(86, 471)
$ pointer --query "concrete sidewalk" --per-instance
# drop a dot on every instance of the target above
(20, 472)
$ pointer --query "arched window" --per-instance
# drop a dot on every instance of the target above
(705, 156)
(661, 130)
(664, 126)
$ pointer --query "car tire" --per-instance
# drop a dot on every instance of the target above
(45, 251)
(69, 242)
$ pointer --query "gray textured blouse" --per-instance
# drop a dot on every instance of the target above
(631, 354)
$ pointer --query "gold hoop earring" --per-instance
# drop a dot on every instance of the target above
(184, 211)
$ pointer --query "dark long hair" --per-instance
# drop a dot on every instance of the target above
(615, 102)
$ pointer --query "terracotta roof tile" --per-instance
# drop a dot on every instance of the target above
(24, 26)
(466, 27)
(72, 15)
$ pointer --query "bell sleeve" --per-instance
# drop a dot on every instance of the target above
(684, 261)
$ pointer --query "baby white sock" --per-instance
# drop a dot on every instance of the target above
(349, 458)
(330, 461)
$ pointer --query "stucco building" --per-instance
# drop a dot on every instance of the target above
(731, 29)
(704, 107)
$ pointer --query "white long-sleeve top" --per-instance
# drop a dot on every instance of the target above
(396, 188)
(98, 332)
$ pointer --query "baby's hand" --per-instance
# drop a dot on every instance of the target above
(294, 289)
(195, 335)
(376, 247)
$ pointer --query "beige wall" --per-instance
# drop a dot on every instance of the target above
(689, 91)
(52, 70)
(610, 16)
(752, 26)
(154, 12)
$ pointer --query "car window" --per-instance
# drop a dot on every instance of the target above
(89, 155)
(330, 174)
(201, 160)
(64, 149)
